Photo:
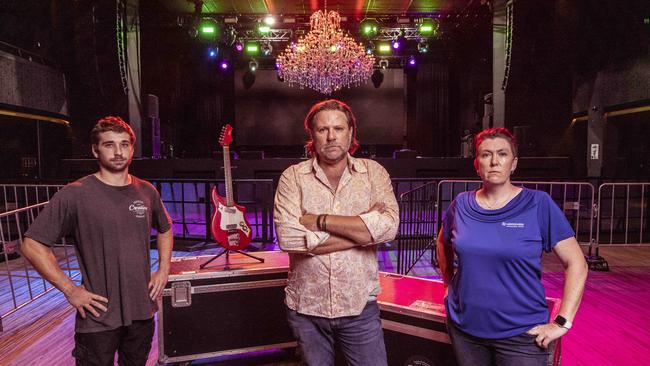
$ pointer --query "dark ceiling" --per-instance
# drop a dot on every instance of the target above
(357, 8)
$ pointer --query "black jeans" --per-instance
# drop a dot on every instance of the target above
(132, 344)
(519, 350)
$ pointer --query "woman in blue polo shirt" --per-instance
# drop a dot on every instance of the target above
(496, 305)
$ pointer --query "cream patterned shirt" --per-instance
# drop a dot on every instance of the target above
(340, 283)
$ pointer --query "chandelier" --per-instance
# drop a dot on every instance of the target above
(325, 59)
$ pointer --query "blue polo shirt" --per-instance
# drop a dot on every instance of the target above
(497, 290)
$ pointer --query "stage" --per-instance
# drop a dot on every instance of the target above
(611, 327)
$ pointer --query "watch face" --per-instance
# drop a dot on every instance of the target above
(559, 319)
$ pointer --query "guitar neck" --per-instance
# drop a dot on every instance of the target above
(228, 177)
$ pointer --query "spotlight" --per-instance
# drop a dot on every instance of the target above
(253, 65)
(269, 20)
(411, 61)
(400, 41)
(428, 26)
(370, 48)
(377, 78)
(238, 46)
(263, 28)
(209, 29)
(224, 65)
(369, 28)
(384, 48)
(252, 48)
(266, 48)
(212, 52)
(383, 63)
(423, 46)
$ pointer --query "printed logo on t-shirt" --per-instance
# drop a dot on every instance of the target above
(138, 208)
(517, 225)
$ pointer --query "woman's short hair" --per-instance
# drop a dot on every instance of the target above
(111, 124)
(493, 133)
(330, 105)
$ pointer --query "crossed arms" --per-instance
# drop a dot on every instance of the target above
(297, 231)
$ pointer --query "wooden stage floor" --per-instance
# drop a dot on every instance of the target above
(611, 328)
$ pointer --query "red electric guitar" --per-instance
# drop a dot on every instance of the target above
(229, 226)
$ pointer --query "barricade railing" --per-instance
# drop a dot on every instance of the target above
(575, 199)
(623, 214)
(417, 225)
(189, 205)
(20, 284)
(15, 196)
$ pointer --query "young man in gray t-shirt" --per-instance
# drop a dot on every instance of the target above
(110, 215)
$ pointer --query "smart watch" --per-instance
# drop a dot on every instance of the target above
(562, 322)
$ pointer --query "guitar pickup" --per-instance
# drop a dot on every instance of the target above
(230, 210)
(231, 227)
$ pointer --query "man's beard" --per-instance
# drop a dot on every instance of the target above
(115, 169)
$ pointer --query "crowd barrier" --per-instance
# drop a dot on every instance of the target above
(618, 215)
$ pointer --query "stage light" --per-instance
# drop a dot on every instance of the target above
(411, 61)
(209, 29)
(377, 78)
(369, 28)
(383, 63)
(212, 52)
(266, 48)
(253, 65)
(428, 26)
(238, 46)
(370, 47)
(395, 44)
(384, 48)
(224, 65)
(423, 46)
(269, 20)
(252, 48)
(263, 29)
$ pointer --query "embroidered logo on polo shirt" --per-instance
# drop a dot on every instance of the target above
(517, 225)
(138, 208)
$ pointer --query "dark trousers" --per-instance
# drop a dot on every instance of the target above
(360, 337)
(132, 344)
(520, 350)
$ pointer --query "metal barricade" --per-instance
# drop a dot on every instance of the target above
(623, 214)
(575, 199)
(417, 225)
(190, 207)
(20, 284)
(14, 196)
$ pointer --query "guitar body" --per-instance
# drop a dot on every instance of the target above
(229, 226)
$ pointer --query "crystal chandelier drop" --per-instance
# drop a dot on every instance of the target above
(325, 59)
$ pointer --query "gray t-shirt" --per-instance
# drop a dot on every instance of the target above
(112, 227)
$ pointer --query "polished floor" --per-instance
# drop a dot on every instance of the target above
(611, 328)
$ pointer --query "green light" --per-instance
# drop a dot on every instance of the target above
(209, 29)
(252, 48)
(384, 48)
(428, 26)
(369, 28)
(264, 29)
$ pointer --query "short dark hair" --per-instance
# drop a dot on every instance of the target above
(112, 124)
(330, 105)
(493, 133)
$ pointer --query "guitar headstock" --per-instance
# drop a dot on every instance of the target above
(225, 138)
